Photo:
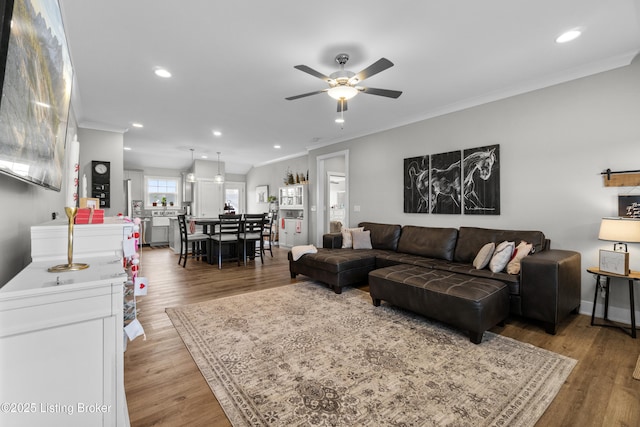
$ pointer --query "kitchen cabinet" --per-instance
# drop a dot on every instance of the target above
(61, 334)
(159, 231)
(293, 215)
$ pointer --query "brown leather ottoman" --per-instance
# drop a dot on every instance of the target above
(471, 303)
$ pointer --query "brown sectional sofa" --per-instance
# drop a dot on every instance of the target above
(547, 288)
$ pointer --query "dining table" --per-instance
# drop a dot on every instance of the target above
(206, 222)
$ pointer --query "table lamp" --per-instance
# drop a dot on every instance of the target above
(620, 230)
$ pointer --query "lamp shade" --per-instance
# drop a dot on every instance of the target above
(343, 91)
(625, 230)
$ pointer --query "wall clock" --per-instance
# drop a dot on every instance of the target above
(100, 172)
(100, 182)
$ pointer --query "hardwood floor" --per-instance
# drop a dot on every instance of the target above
(165, 388)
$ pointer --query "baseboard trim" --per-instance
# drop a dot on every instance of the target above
(617, 314)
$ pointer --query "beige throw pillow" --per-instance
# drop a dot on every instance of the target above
(347, 242)
(501, 256)
(522, 251)
(484, 256)
(361, 239)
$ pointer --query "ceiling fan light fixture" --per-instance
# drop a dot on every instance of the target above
(342, 92)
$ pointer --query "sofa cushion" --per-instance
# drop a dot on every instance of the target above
(521, 251)
(338, 260)
(484, 256)
(502, 256)
(361, 239)
(430, 242)
(383, 236)
(471, 239)
(347, 240)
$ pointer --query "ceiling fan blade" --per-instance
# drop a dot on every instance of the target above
(342, 105)
(291, 98)
(313, 72)
(373, 69)
(382, 92)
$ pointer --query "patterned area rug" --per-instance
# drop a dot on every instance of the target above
(303, 355)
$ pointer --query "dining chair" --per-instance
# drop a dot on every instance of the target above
(253, 226)
(198, 242)
(269, 231)
(227, 233)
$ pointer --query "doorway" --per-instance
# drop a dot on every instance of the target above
(331, 165)
(337, 208)
(234, 196)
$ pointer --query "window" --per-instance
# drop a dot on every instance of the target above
(161, 190)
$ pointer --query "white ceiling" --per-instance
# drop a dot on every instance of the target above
(232, 65)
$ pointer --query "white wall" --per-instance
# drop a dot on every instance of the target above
(272, 175)
(108, 147)
(553, 145)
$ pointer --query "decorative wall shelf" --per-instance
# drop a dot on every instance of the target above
(621, 178)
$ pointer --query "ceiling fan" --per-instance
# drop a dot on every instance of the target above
(343, 83)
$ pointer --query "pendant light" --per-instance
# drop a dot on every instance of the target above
(191, 177)
(219, 179)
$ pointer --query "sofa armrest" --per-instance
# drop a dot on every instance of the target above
(550, 286)
(332, 240)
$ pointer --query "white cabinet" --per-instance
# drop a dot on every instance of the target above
(293, 233)
(61, 346)
(61, 334)
(208, 199)
(293, 215)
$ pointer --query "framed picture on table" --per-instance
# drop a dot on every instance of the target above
(89, 202)
(614, 262)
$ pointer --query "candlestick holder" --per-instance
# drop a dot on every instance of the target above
(70, 265)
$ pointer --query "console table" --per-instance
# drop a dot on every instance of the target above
(633, 275)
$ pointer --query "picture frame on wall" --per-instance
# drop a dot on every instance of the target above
(34, 118)
(416, 184)
(481, 184)
(615, 262)
(262, 194)
(629, 206)
(445, 183)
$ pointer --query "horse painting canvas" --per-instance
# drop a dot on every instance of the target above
(416, 184)
(481, 185)
(445, 183)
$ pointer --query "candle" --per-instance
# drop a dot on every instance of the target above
(84, 185)
(73, 167)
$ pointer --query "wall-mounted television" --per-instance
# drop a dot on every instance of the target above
(36, 92)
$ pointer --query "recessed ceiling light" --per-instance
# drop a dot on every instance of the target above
(217, 133)
(137, 125)
(568, 36)
(161, 72)
(276, 146)
(204, 157)
(127, 148)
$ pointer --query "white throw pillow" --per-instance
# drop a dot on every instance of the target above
(522, 251)
(346, 236)
(502, 256)
(361, 239)
(484, 256)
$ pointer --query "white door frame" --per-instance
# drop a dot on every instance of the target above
(321, 175)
